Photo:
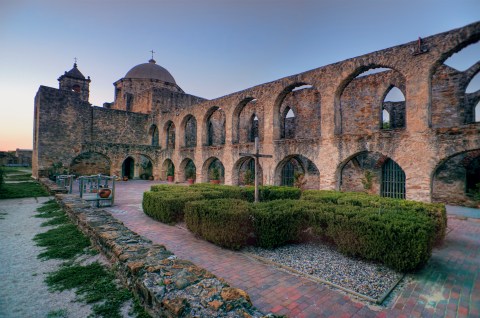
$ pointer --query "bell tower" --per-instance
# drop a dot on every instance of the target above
(74, 81)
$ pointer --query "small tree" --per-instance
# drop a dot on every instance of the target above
(170, 170)
(248, 177)
(300, 181)
(190, 172)
(367, 180)
(215, 174)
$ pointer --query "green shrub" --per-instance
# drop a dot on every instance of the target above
(278, 222)
(436, 212)
(2, 177)
(402, 241)
(167, 207)
(224, 222)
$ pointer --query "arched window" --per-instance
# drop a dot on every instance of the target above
(154, 135)
(210, 133)
(289, 169)
(170, 142)
(191, 132)
(288, 124)
(393, 180)
(393, 109)
(254, 127)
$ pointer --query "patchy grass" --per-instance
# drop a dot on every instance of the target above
(22, 190)
(19, 177)
(93, 283)
(16, 169)
(60, 313)
(62, 242)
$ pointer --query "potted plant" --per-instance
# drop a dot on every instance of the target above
(215, 175)
(190, 175)
(170, 173)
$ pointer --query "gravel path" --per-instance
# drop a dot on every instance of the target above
(322, 261)
(23, 292)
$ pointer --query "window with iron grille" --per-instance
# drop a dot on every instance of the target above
(393, 180)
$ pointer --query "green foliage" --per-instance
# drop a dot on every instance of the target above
(367, 180)
(2, 177)
(53, 211)
(248, 177)
(62, 242)
(93, 284)
(278, 222)
(55, 170)
(436, 212)
(22, 190)
(190, 172)
(214, 173)
(300, 180)
(167, 207)
(170, 170)
(225, 222)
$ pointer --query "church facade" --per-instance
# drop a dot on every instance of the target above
(336, 125)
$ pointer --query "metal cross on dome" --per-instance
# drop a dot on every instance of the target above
(256, 156)
(152, 51)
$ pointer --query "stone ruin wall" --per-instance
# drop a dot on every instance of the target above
(336, 119)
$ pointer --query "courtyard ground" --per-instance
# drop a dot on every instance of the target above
(449, 286)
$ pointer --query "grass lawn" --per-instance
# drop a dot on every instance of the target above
(22, 190)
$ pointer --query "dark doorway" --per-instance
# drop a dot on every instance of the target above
(128, 167)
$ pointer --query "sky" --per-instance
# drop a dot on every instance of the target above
(211, 47)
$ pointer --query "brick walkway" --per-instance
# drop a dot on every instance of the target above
(449, 286)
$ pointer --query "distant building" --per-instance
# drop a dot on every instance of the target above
(330, 124)
(19, 157)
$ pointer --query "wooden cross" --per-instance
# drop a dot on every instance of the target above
(256, 156)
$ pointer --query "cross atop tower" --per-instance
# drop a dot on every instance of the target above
(75, 59)
(152, 51)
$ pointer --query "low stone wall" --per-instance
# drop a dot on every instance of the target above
(167, 286)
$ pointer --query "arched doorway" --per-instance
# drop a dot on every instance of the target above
(393, 180)
(128, 168)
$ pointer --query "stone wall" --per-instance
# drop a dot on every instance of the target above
(166, 286)
(337, 116)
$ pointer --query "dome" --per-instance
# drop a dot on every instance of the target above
(150, 70)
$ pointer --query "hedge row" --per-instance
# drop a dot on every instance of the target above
(436, 212)
(402, 241)
(166, 203)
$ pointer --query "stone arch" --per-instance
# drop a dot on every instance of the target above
(241, 166)
(189, 131)
(472, 95)
(363, 115)
(128, 167)
(396, 109)
(448, 89)
(454, 178)
(214, 127)
(169, 133)
(168, 169)
(293, 164)
(241, 120)
(343, 85)
(186, 164)
(145, 167)
(208, 167)
(89, 163)
(305, 100)
(364, 172)
(154, 135)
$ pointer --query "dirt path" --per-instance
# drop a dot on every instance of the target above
(23, 292)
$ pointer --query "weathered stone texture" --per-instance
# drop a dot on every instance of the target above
(337, 117)
(166, 286)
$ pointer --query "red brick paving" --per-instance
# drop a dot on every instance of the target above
(449, 286)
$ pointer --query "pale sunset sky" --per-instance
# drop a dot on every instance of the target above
(211, 47)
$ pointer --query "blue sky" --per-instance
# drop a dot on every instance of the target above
(211, 47)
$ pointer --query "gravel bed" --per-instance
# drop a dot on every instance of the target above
(323, 262)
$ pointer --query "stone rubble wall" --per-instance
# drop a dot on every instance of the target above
(167, 286)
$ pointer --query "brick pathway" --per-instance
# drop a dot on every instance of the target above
(449, 286)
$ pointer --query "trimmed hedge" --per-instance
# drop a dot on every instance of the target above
(167, 207)
(278, 222)
(224, 222)
(436, 212)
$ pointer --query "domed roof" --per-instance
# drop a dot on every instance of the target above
(150, 70)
